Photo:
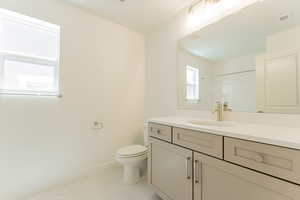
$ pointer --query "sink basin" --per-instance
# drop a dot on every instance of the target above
(212, 123)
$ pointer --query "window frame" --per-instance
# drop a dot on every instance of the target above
(31, 59)
(192, 101)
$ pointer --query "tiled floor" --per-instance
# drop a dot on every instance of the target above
(104, 186)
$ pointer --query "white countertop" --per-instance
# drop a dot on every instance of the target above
(269, 134)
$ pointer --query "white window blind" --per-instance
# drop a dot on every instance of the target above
(192, 84)
(29, 55)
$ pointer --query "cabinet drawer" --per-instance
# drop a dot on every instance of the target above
(202, 142)
(159, 131)
(277, 161)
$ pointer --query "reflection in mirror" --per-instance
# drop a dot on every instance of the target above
(249, 61)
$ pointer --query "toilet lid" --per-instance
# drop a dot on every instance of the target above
(134, 150)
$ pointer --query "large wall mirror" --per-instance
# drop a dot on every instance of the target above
(249, 60)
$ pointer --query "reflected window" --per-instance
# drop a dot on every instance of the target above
(192, 84)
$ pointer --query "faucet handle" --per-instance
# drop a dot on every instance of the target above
(226, 107)
(214, 111)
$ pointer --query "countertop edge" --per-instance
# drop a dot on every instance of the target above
(211, 130)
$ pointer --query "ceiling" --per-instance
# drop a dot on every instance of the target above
(243, 33)
(140, 15)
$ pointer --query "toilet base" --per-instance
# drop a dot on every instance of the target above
(131, 175)
(133, 164)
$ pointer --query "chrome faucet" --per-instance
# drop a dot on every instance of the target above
(220, 109)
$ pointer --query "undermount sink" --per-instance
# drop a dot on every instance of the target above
(212, 123)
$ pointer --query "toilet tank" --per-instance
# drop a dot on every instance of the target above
(146, 134)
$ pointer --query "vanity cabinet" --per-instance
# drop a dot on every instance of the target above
(191, 167)
(217, 180)
(170, 170)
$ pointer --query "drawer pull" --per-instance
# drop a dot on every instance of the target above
(259, 158)
(196, 172)
(188, 172)
(161, 132)
(199, 141)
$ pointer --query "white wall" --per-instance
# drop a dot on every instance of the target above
(236, 64)
(161, 80)
(45, 141)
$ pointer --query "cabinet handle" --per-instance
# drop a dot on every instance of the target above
(196, 171)
(158, 132)
(259, 158)
(188, 167)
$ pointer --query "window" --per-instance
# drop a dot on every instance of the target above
(29, 55)
(192, 84)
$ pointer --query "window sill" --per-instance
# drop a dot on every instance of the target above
(192, 102)
(57, 95)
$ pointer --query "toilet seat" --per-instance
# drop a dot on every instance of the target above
(132, 151)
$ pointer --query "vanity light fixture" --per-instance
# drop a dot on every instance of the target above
(204, 12)
(203, 2)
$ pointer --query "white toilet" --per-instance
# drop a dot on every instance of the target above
(132, 158)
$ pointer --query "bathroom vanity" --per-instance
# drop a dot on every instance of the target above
(247, 63)
(223, 161)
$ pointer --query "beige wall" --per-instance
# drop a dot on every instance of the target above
(45, 141)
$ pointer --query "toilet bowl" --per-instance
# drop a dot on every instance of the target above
(132, 158)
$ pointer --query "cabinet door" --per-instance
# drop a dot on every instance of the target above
(216, 179)
(278, 82)
(170, 170)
